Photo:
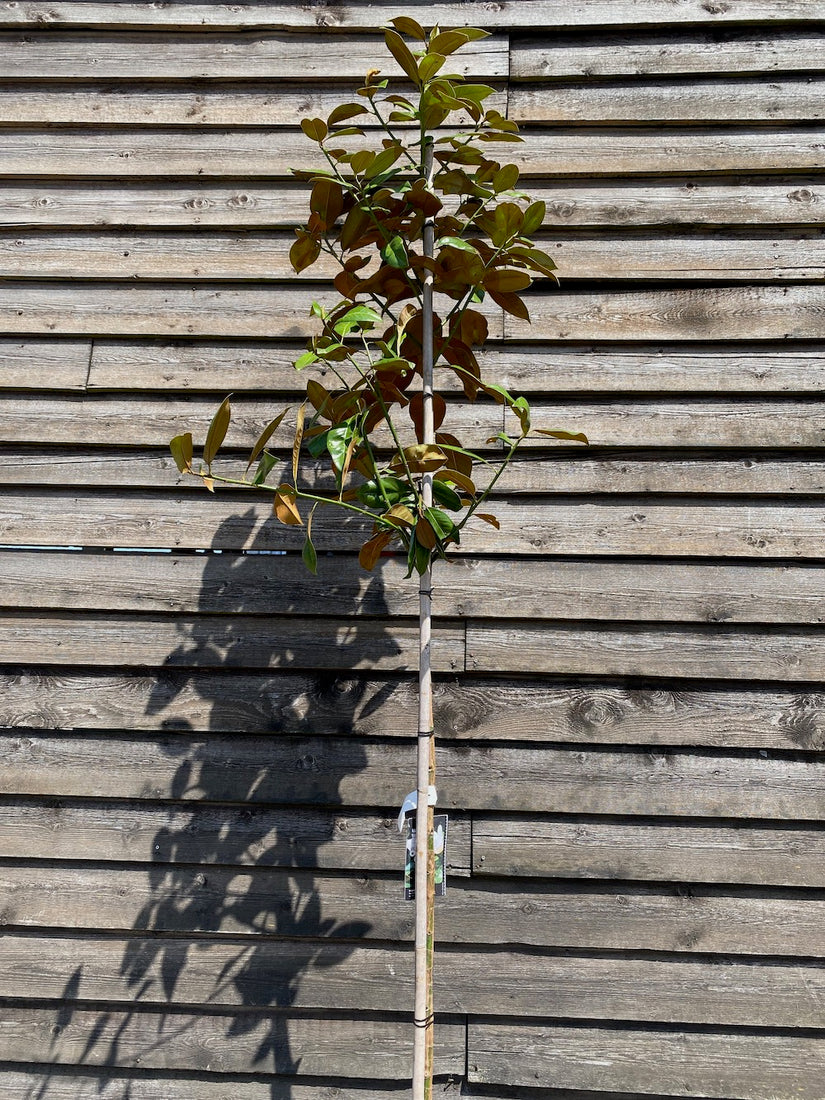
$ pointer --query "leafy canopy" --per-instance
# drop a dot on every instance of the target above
(368, 208)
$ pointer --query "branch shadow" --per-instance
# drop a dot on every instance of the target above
(261, 975)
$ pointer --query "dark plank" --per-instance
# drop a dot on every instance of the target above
(528, 589)
(257, 902)
(304, 841)
(320, 973)
(220, 1043)
(474, 709)
(747, 1067)
(574, 527)
(645, 851)
(349, 771)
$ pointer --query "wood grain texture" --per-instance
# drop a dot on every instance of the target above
(645, 652)
(250, 55)
(215, 152)
(217, 103)
(724, 313)
(783, 99)
(764, 50)
(258, 902)
(71, 1083)
(220, 1043)
(795, 199)
(712, 369)
(755, 474)
(356, 772)
(478, 709)
(528, 589)
(322, 973)
(665, 852)
(747, 1067)
(264, 256)
(367, 14)
(190, 844)
(219, 642)
(44, 364)
(758, 529)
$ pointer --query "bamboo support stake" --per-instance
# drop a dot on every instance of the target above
(424, 854)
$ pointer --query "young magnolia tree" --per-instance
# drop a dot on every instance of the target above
(411, 204)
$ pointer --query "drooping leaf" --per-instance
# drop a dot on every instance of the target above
(314, 128)
(327, 201)
(304, 252)
(318, 397)
(308, 553)
(561, 433)
(182, 450)
(217, 431)
(521, 408)
(265, 437)
(405, 24)
(285, 507)
(511, 303)
(398, 48)
(457, 478)
(399, 516)
(371, 550)
(487, 518)
(296, 443)
(416, 411)
(425, 534)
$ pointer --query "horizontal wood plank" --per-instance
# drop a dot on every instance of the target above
(348, 771)
(699, 101)
(195, 841)
(221, 1043)
(747, 1067)
(209, 309)
(790, 200)
(577, 527)
(321, 973)
(750, 369)
(367, 14)
(543, 848)
(726, 313)
(215, 642)
(763, 50)
(565, 471)
(249, 55)
(258, 902)
(129, 152)
(636, 651)
(477, 709)
(44, 364)
(265, 256)
(536, 590)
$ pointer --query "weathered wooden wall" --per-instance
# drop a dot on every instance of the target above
(203, 753)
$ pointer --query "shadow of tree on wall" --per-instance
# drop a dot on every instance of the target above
(234, 813)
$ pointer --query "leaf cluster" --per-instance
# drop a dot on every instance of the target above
(430, 206)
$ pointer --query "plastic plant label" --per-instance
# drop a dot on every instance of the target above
(440, 851)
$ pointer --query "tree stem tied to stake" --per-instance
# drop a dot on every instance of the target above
(411, 209)
(424, 849)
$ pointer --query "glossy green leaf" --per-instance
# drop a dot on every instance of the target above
(305, 360)
(265, 467)
(533, 218)
(394, 253)
(446, 496)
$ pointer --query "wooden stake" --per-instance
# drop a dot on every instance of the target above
(424, 854)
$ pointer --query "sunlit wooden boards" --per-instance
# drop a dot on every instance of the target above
(204, 747)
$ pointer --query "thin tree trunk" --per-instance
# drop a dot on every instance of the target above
(424, 854)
